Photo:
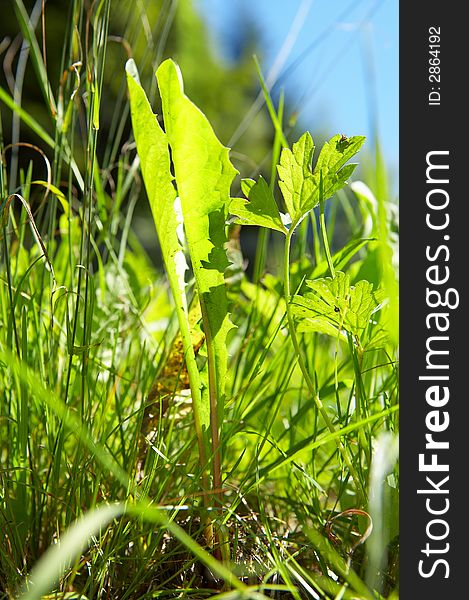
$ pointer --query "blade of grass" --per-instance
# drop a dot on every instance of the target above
(40, 131)
(314, 442)
(36, 55)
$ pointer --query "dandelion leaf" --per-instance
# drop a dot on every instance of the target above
(204, 175)
(153, 151)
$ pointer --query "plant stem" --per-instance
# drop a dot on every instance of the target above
(279, 143)
(194, 383)
(322, 225)
(215, 433)
(306, 375)
(213, 388)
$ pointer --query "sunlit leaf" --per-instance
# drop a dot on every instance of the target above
(260, 208)
(153, 150)
(301, 186)
(204, 175)
(295, 176)
(336, 152)
(334, 305)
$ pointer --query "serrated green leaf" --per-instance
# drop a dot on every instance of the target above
(311, 320)
(300, 186)
(312, 325)
(260, 208)
(153, 151)
(295, 176)
(338, 151)
(332, 182)
(332, 165)
(152, 147)
(204, 175)
(334, 305)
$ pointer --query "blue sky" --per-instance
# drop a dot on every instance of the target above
(341, 71)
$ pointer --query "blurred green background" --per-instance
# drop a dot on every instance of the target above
(336, 62)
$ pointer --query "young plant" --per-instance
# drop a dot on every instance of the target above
(303, 189)
(336, 308)
(197, 198)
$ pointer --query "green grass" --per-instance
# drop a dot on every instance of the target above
(88, 330)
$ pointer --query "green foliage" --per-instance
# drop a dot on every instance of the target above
(260, 207)
(95, 341)
(333, 306)
(296, 178)
(302, 187)
(46, 574)
(152, 144)
(204, 175)
(340, 258)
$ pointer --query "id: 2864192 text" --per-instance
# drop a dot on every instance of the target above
(434, 69)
